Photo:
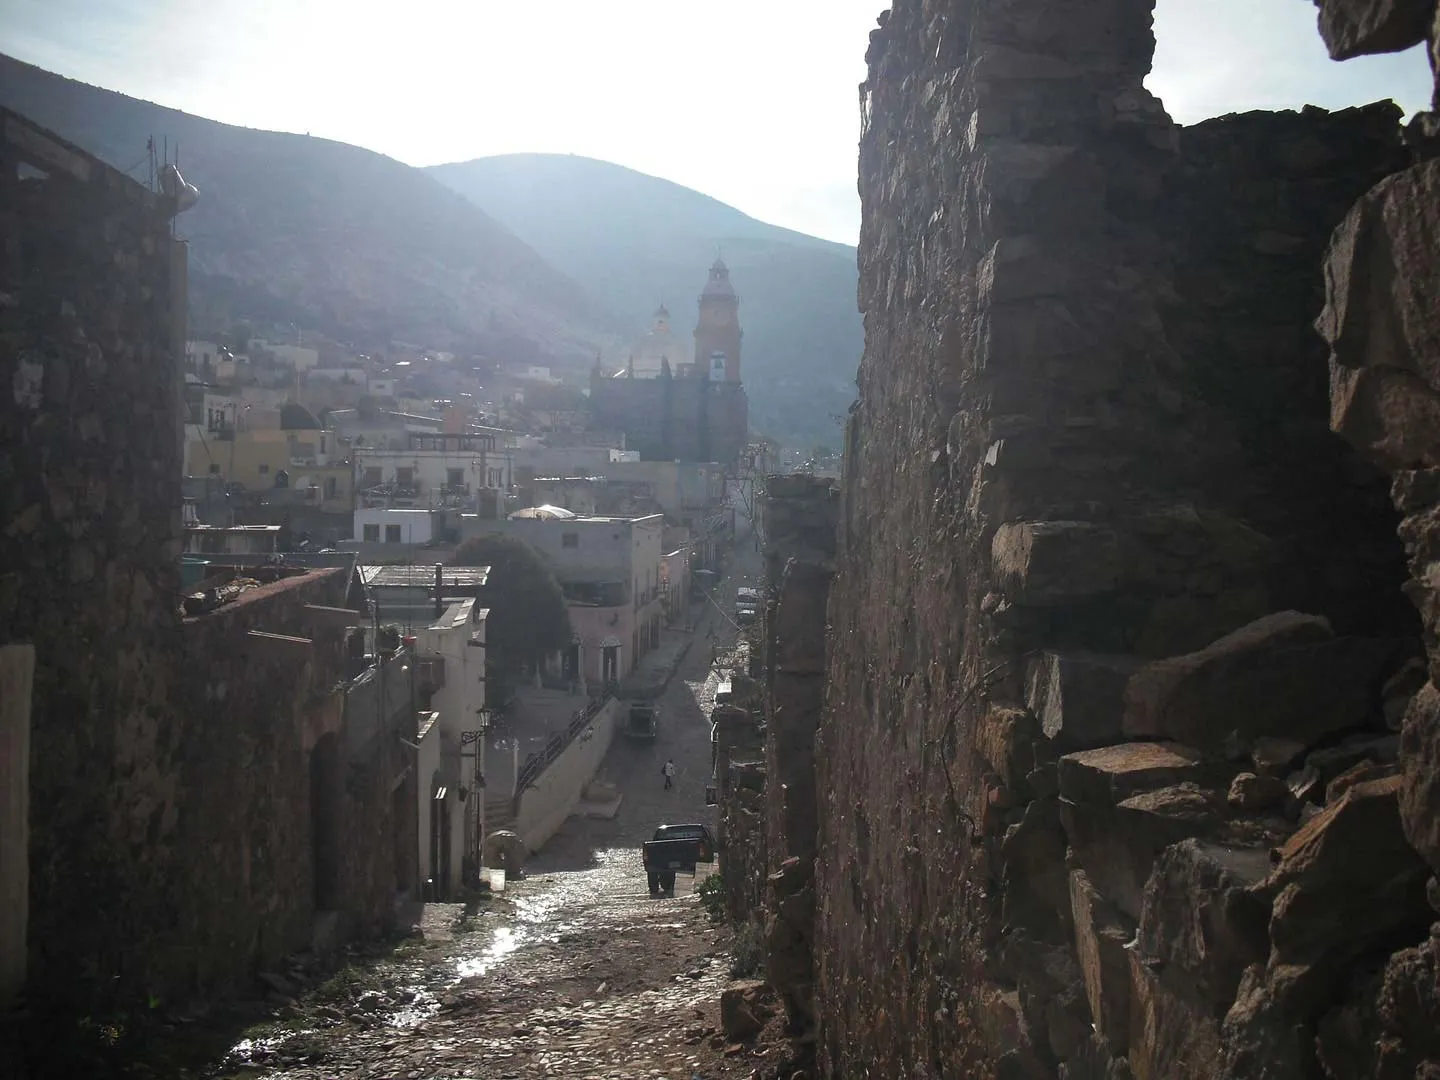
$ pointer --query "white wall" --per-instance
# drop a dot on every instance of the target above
(544, 807)
(416, 526)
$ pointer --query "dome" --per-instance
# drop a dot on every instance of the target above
(661, 343)
(544, 513)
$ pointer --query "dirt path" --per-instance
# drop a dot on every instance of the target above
(573, 972)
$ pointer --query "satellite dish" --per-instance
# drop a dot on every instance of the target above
(173, 186)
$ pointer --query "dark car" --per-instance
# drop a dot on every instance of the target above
(676, 849)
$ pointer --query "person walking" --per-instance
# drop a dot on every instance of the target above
(668, 771)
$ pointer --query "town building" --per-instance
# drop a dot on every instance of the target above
(465, 470)
(450, 681)
(611, 570)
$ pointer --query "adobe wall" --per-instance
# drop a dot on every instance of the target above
(1115, 617)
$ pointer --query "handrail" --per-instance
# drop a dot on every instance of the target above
(536, 764)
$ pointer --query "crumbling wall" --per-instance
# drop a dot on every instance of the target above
(1382, 323)
(740, 792)
(1114, 616)
(799, 516)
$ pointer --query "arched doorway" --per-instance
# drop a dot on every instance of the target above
(326, 822)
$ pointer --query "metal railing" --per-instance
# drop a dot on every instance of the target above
(536, 764)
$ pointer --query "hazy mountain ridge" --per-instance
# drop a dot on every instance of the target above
(325, 234)
(637, 240)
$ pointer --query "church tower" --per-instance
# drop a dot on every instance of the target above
(718, 328)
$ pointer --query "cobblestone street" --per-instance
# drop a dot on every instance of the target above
(573, 971)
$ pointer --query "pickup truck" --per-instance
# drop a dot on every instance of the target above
(641, 719)
(676, 849)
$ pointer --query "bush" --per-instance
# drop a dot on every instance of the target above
(712, 897)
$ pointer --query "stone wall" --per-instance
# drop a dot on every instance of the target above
(673, 418)
(739, 737)
(798, 521)
(194, 803)
(1382, 322)
(1115, 617)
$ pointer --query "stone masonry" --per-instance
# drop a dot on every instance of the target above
(198, 805)
(1110, 777)
(798, 515)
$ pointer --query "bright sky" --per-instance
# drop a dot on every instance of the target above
(751, 101)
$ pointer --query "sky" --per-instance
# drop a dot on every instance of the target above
(754, 102)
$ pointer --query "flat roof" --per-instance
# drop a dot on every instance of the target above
(423, 577)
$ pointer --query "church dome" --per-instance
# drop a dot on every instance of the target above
(660, 344)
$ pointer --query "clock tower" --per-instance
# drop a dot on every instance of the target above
(718, 329)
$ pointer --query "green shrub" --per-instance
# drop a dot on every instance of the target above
(712, 896)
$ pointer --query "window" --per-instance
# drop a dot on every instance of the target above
(372, 476)
(214, 470)
(330, 487)
(405, 476)
(264, 470)
(455, 477)
(569, 540)
(392, 534)
(371, 534)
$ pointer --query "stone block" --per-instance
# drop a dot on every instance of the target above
(1282, 675)
(1169, 1039)
(1101, 937)
(1079, 698)
(1420, 790)
(1109, 774)
(1043, 563)
(1117, 846)
(1387, 322)
(1347, 878)
(1252, 793)
(1365, 27)
(742, 1009)
(1201, 919)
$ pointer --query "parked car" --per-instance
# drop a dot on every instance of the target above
(675, 849)
(642, 720)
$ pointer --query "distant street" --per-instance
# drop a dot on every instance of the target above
(573, 971)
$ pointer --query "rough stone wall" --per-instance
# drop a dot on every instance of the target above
(1382, 322)
(740, 782)
(1114, 617)
(89, 541)
(798, 515)
(673, 419)
(172, 846)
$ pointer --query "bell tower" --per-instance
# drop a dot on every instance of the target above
(718, 327)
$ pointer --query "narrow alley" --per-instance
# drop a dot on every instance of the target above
(572, 971)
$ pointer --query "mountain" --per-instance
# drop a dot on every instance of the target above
(326, 235)
(636, 241)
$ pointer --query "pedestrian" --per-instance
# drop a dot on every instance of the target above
(668, 771)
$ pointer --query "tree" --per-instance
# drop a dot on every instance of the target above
(528, 617)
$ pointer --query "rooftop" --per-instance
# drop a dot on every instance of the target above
(423, 577)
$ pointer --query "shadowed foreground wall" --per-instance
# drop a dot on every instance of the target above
(176, 841)
(1119, 651)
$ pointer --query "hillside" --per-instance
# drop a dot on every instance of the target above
(635, 240)
(326, 235)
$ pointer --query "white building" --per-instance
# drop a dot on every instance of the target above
(436, 469)
(450, 661)
(397, 524)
